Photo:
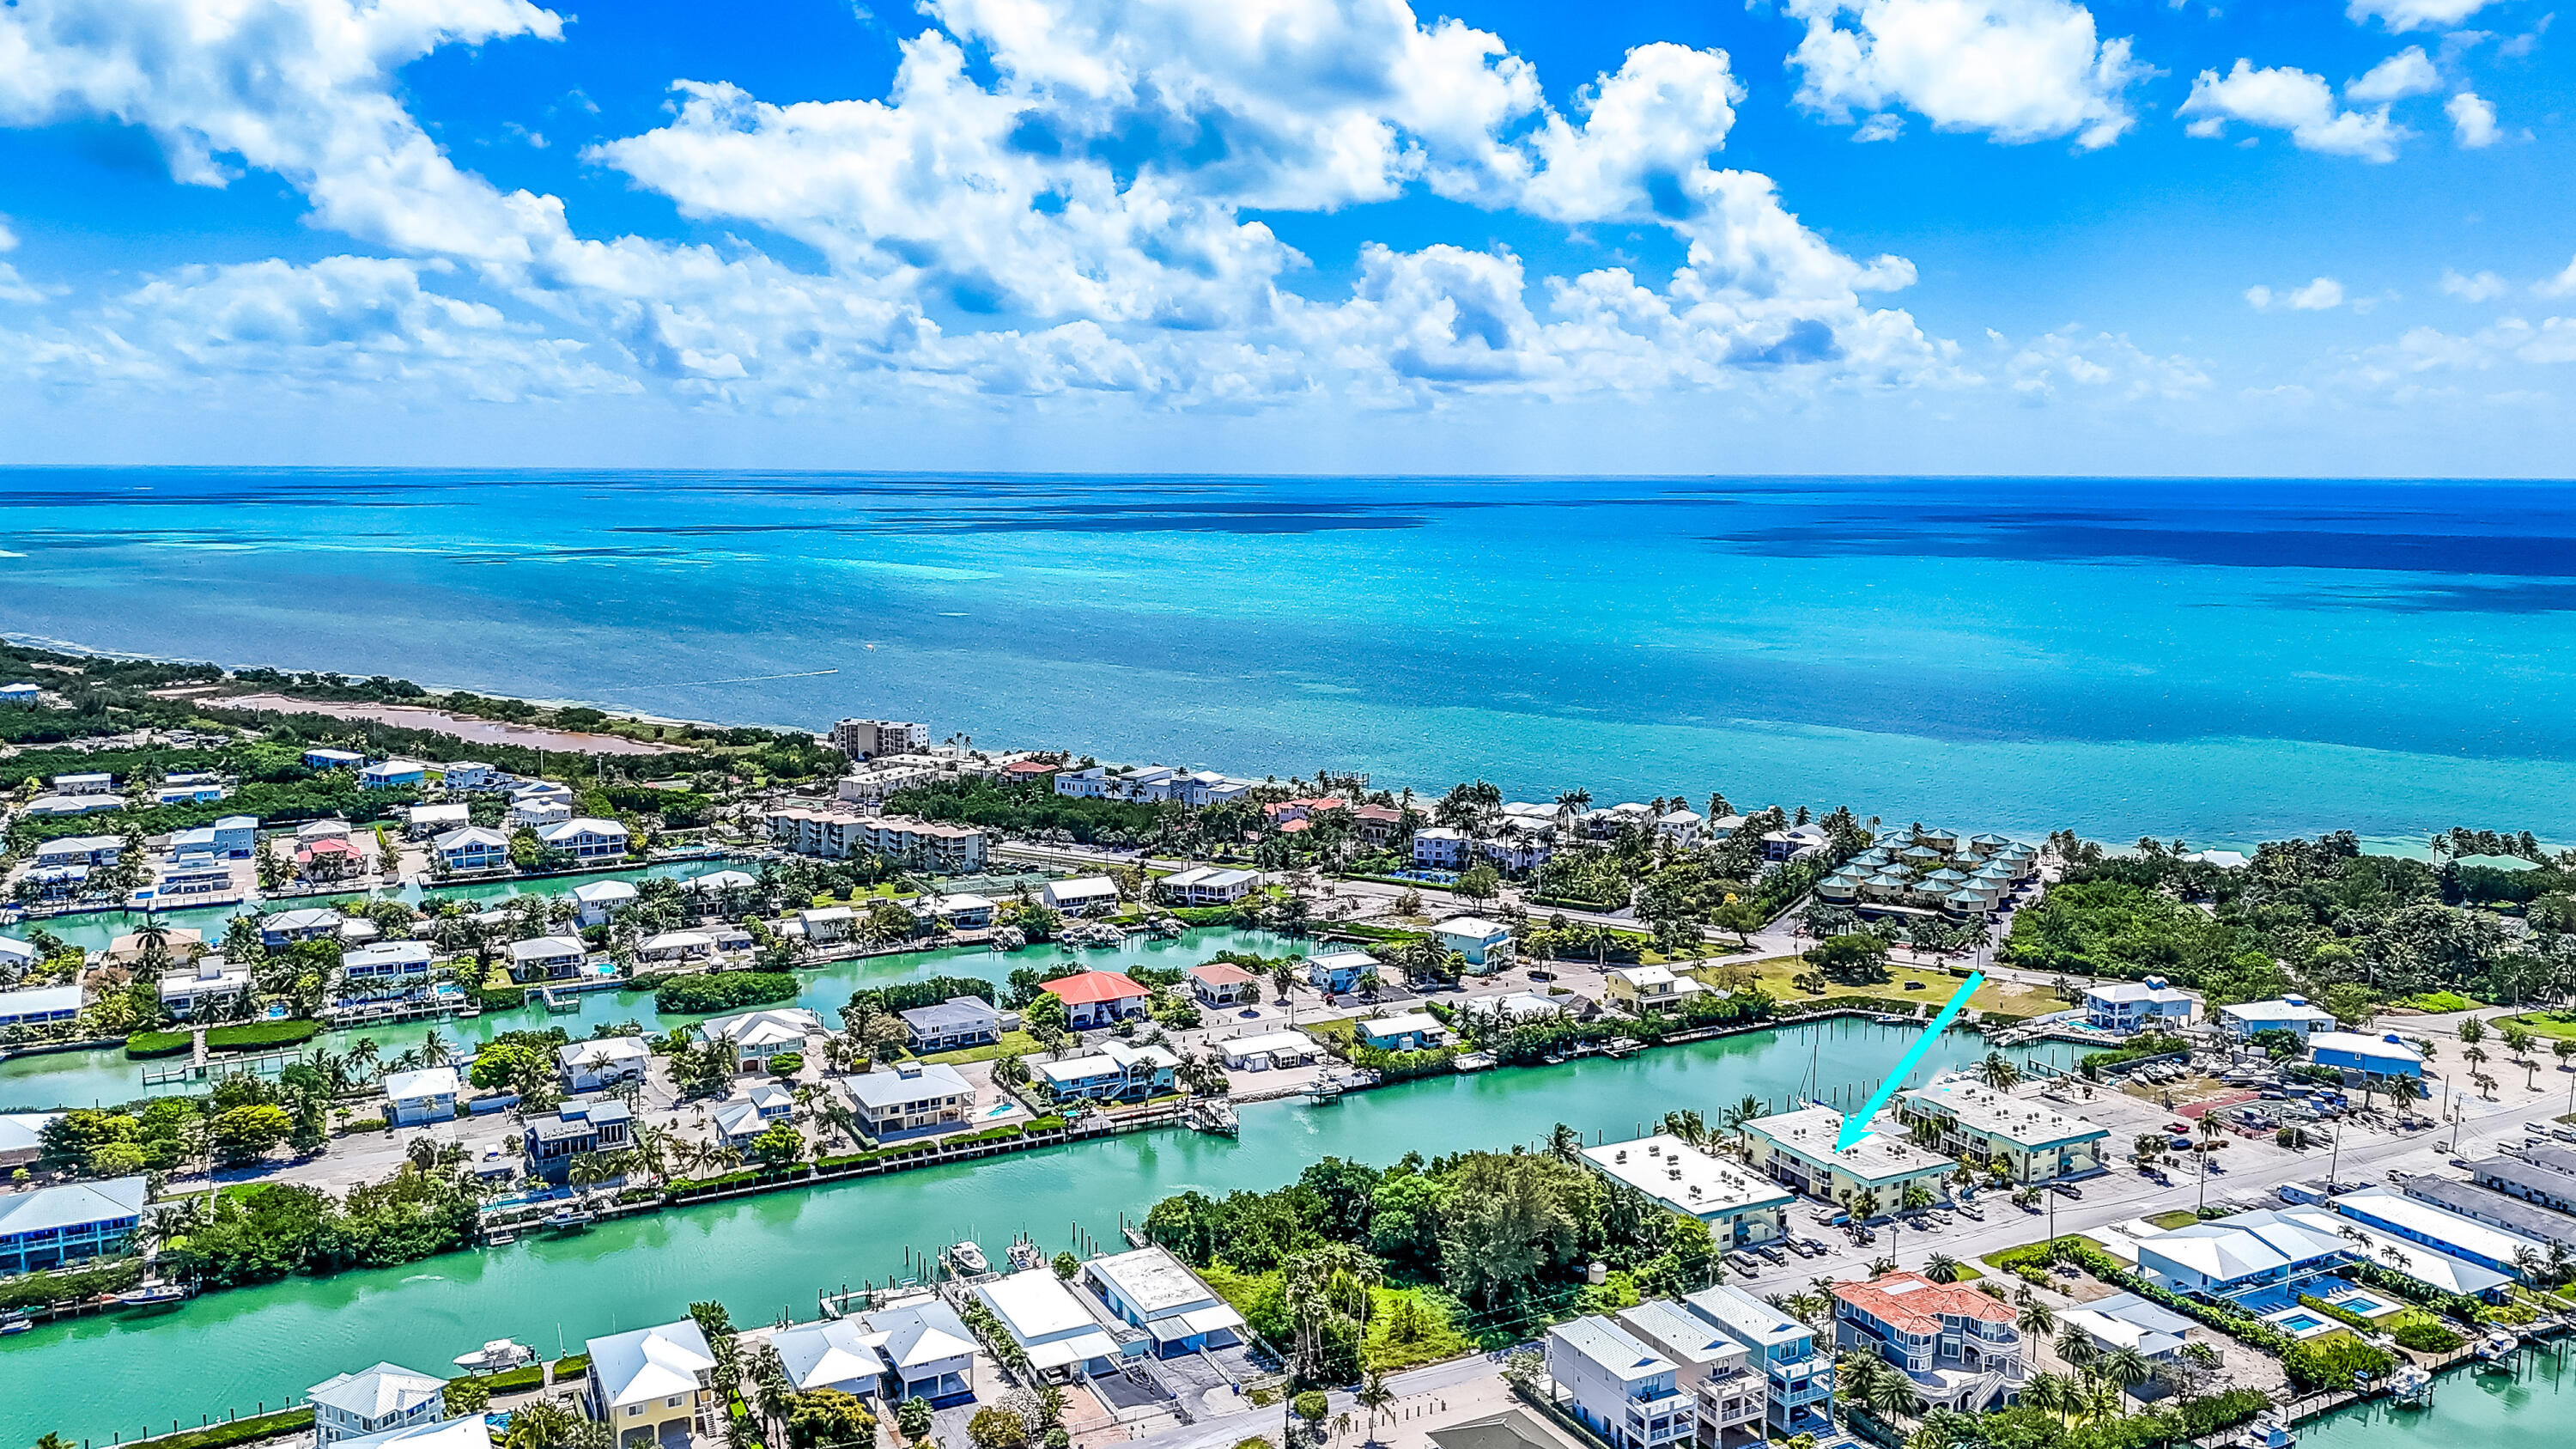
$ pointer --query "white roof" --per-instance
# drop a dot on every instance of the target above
(603, 1051)
(2363, 1046)
(2275, 1011)
(471, 1432)
(433, 814)
(1810, 1133)
(1681, 1335)
(899, 1085)
(1518, 1006)
(303, 920)
(13, 949)
(2416, 1216)
(599, 891)
(1044, 1318)
(1748, 1318)
(2425, 1265)
(2247, 1244)
(578, 825)
(763, 1028)
(921, 1333)
(469, 835)
(2135, 991)
(388, 953)
(1614, 1349)
(2125, 1320)
(1398, 1025)
(1083, 888)
(1644, 975)
(650, 1363)
(72, 1204)
(1982, 1109)
(375, 1392)
(717, 880)
(1344, 960)
(47, 999)
(1263, 1043)
(1476, 926)
(397, 767)
(1154, 1281)
(1683, 1178)
(834, 1351)
(427, 1082)
(676, 941)
(22, 1131)
(546, 948)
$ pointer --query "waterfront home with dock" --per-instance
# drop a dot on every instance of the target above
(40, 1006)
(759, 1035)
(2498, 1249)
(1152, 1290)
(1084, 896)
(310, 924)
(1869, 1177)
(1098, 998)
(596, 902)
(929, 1349)
(2125, 1008)
(1220, 984)
(185, 992)
(1339, 971)
(1739, 1205)
(960, 912)
(1410, 1031)
(586, 839)
(547, 958)
(473, 848)
(426, 1095)
(2125, 1320)
(1958, 1348)
(675, 948)
(1117, 1072)
(373, 1401)
(954, 1024)
(2258, 1259)
(1261, 1051)
(2290, 1013)
(836, 1353)
(385, 964)
(1208, 885)
(649, 1381)
(52, 1226)
(1050, 1325)
(603, 1062)
(1649, 988)
(580, 1125)
(909, 1098)
(1972, 1119)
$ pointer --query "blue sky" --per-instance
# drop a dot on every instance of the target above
(1291, 235)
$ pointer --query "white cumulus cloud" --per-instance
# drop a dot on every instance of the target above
(2323, 294)
(2017, 70)
(2484, 287)
(2283, 98)
(2405, 15)
(2561, 285)
(2473, 120)
(2407, 73)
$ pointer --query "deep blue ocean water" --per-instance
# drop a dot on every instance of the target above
(2222, 661)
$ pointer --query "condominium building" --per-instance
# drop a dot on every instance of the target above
(840, 834)
(865, 739)
(1974, 1120)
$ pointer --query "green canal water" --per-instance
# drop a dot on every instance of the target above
(98, 1078)
(92, 1378)
(2529, 1409)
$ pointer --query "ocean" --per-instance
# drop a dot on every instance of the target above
(2219, 661)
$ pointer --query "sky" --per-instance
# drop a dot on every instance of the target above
(1483, 236)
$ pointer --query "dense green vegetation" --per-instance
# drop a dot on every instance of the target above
(1031, 808)
(724, 991)
(277, 1229)
(2313, 915)
(247, 1036)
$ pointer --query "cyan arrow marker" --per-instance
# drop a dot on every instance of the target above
(1856, 1126)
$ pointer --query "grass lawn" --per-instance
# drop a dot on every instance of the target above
(2560, 1025)
(1013, 1043)
(2178, 1218)
(1778, 978)
(1340, 1029)
(2437, 1001)
(1989, 1259)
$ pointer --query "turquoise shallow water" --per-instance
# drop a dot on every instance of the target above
(2528, 1409)
(90, 1377)
(2224, 661)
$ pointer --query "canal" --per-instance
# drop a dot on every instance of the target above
(2526, 1409)
(91, 1378)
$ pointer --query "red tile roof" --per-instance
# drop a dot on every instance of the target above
(1292, 826)
(1030, 767)
(325, 846)
(1386, 813)
(1094, 986)
(1217, 973)
(1915, 1303)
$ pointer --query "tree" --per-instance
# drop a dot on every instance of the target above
(1045, 1015)
(830, 1419)
(1852, 960)
(912, 1417)
(1941, 1268)
(778, 1145)
(467, 1397)
(553, 1424)
(1997, 1071)
(1511, 1218)
(1065, 1266)
(246, 1134)
(1375, 1393)
(1479, 883)
(996, 1429)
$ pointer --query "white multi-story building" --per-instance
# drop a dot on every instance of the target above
(372, 1401)
(865, 739)
(2125, 1008)
(1739, 1205)
(1618, 1387)
(840, 834)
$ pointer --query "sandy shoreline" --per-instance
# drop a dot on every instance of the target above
(481, 731)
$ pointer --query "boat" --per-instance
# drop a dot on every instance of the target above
(16, 1323)
(496, 1356)
(1213, 1115)
(2496, 1349)
(1324, 1089)
(570, 1219)
(965, 1258)
(158, 1295)
(2268, 1431)
(1472, 1062)
(1026, 1255)
(501, 1239)
(2410, 1385)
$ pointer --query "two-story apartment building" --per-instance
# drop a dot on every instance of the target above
(2032, 1139)
(1869, 1177)
(1618, 1387)
(952, 1025)
(839, 834)
(1117, 1072)
(1740, 1206)
(77, 1221)
(909, 1099)
(1960, 1348)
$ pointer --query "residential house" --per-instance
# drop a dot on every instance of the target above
(1486, 945)
(1117, 1072)
(1518, 1006)
(1098, 998)
(326, 759)
(474, 1431)
(952, 1025)
(91, 851)
(1681, 826)
(71, 1223)
(425, 1095)
(537, 812)
(1798, 1381)
(1725, 1386)
(1089, 895)
(17, 957)
(187, 992)
(741, 1119)
(95, 782)
(2265, 1256)
(1261, 1051)
(1972, 1119)
(675, 948)
(393, 775)
(1740, 1206)
(2125, 1320)
(385, 964)
(372, 1401)
(1642, 989)
(473, 848)
(179, 942)
(201, 877)
(547, 958)
(827, 925)
(1150, 1289)
(598, 901)
(928, 1351)
(585, 838)
(1957, 1347)
(1376, 824)
(1618, 1387)
(57, 807)
(759, 1035)
(2290, 1013)
(468, 775)
(1219, 984)
(202, 793)
(20, 693)
(961, 912)
(1208, 885)
(1795, 842)
(650, 1382)
(310, 924)
(604, 1062)
(1518, 851)
(2125, 1008)
(581, 1125)
(1869, 1177)
(40, 1005)
(421, 822)
(909, 1099)
(1336, 972)
(1050, 1325)
(833, 1353)
(234, 837)
(329, 858)
(1411, 1031)
(1441, 847)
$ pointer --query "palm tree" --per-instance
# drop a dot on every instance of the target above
(363, 1059)
(2075, 1349)
(1997, 1071)
(1745, 1110)
(2051, 1394)
(2031, 1316)
(1374, 1395)
(1941, 1268)
(435, 1049)
(1565, 1144)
